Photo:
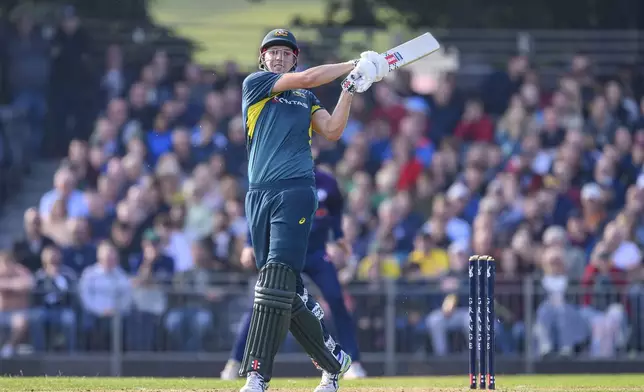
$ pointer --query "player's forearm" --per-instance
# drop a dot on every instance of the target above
(338, 121)
(323, 74)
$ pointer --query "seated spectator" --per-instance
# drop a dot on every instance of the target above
(54, 319)
(182, 148)
(55, 224)
(104, 291)
(603, 303)
(152, 277)
(16, 283)
(100, 218)
(453, 314)
(380, 262)
(64, 188)
(28, 250)
(475, 125)
(190, 319)
(426, 260)
(159, 139)
(81, 252)
(174, 242)
(556, 316)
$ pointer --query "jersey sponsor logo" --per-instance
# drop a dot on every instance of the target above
(300, 94)
(290, 102)
(321, 212)
(302, 221)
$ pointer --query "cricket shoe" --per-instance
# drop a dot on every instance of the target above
(254, 383)
(231, 371)
(330, 382)
(355, 371)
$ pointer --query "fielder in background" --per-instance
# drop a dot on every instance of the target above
(280, 115)
(327, 223)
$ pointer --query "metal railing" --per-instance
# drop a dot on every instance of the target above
(395, 322)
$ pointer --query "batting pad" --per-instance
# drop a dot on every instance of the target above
(307, 330)
(274, 293)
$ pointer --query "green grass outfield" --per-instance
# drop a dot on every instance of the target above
(570, 383)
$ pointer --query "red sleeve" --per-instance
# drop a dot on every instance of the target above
(486, 130)
(586, 282)
(461, 130)
(409, 174)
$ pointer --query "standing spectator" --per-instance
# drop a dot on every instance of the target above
(54, 300)
(16, 282)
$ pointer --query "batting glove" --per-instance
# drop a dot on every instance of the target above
(382, 66)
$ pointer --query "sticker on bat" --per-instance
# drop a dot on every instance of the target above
(393, 58)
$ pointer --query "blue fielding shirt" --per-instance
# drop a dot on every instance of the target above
(278, 129)
(327, 222)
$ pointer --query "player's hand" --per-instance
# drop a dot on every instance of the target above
(247, 258)
(361, 78)
(382, 66)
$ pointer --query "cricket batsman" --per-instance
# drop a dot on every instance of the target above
(280, 115)
(327, 222)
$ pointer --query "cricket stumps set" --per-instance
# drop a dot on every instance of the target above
(480, 340)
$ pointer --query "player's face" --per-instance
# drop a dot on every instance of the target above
(279, 59)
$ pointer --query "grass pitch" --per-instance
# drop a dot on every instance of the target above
(556, 383)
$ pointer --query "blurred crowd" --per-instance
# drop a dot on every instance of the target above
(149, 198)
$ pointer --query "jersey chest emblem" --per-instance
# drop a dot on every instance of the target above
(293, 102)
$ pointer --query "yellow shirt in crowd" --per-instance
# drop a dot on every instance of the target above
(389, 268)
(431, 264)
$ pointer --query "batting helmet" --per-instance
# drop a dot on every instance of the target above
(279, 37)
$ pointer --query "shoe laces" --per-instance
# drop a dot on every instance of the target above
(255, 380)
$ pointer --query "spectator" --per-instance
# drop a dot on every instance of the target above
(475, 125)
(104, 291)
(16, 282)
(152, 275)
(81, 252)
(426, 260)
(55, 224)
(28, 251)
(191, 319)
(64, 188)
(452, 315)
(603, 303)
(54, 319)
(555, 315)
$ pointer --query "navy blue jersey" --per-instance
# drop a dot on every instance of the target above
(278, 128)
(327, 222)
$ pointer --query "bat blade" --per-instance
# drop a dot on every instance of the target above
(410, 51)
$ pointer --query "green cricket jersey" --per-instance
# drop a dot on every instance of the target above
(278, 128)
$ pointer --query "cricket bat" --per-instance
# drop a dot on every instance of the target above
(403, 54)
(411, 51)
